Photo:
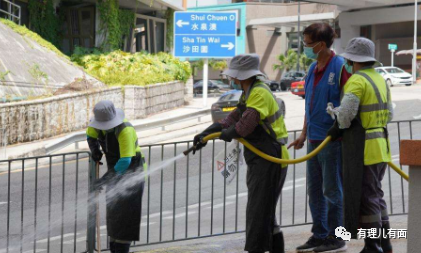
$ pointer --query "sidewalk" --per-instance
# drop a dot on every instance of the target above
(36, 148)
(294, 236)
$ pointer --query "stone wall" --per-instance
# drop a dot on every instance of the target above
(43, 118)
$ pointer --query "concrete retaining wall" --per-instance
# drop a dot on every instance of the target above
(43, 118)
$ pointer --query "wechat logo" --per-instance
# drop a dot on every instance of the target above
(341, 232)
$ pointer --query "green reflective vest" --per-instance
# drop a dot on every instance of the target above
(272, 113)
(374, 94)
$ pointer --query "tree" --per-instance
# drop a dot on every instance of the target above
(305, 62)
(286, 62)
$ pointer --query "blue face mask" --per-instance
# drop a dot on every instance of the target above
(348, 68)
(308, 51)
(236, 86)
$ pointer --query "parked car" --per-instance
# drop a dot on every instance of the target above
(297, 88)
(273, 85)
(225, 104)
(212, 87)
(395, 76)
(291, 77)
(223, 87)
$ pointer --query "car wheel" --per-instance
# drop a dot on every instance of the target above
(303, 96)
(283, 87)
(389, 83)
(273, 87)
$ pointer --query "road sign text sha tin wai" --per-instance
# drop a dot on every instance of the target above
(205, 34)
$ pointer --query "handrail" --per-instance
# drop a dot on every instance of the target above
(9, 12)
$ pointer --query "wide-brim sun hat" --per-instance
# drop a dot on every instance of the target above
(244, 66)
(106, 116)
(360, 50)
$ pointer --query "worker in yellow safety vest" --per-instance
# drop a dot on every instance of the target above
(258, 118)
(365, 110)
(110, 131)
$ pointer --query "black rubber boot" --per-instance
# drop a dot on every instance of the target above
(372, 246)
(112, 247)
(385, 241)
(122, 247)
(278, 245)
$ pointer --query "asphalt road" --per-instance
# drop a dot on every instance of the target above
(173, 205)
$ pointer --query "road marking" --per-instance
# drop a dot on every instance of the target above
(178, 215)
(417, 117)
(220, 205)
(3, 203)
(395, 156)
(42, 166)
(38, 250)
(394, 105)
(56, 238)
(201, 204)
(156, 214)
(395, 160)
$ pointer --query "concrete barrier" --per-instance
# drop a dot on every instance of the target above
(43, 118)
(410, 154)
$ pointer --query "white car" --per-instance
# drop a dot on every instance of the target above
(395, 76)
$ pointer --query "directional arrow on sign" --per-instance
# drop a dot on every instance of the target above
(180, 23)
(229, 45)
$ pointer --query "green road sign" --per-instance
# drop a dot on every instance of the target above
(393, 47)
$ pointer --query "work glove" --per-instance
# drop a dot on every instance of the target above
(197, 141)
(97, 156)
(96, 153)
(229, 133)
(335, 132)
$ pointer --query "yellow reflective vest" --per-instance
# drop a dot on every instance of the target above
(374, 94)
(261, 98)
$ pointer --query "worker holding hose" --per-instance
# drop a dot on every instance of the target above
(109, 130)
(259, 119)
(365, 110)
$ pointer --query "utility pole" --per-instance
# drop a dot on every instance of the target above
(414, 54)
(299, 37)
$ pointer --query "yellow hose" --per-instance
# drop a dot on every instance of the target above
(298, 160)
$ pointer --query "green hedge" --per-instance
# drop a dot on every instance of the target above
(121, 68)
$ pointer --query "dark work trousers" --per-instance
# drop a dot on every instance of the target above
(264, 183)
(373, 209)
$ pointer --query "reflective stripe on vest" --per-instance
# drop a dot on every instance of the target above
(379, 105)
(375, 135)
(272, 118)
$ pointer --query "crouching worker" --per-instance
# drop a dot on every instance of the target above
(259, 118)
(109, 131)
(365, 110)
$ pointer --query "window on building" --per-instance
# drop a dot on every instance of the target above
(293, 42)
(365, 31)
(78, 28)
(149, 34)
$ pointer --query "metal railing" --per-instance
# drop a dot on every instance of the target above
(11, 10)
(44, 200)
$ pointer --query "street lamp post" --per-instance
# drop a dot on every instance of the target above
(414, 54)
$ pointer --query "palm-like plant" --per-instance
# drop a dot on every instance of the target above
(305, 62)
(286, 62)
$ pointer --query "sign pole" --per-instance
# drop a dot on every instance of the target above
(393, 53)
(205, 82)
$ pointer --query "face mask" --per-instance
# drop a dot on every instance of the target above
(308, 51)
(348, 68)
(236, 86)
